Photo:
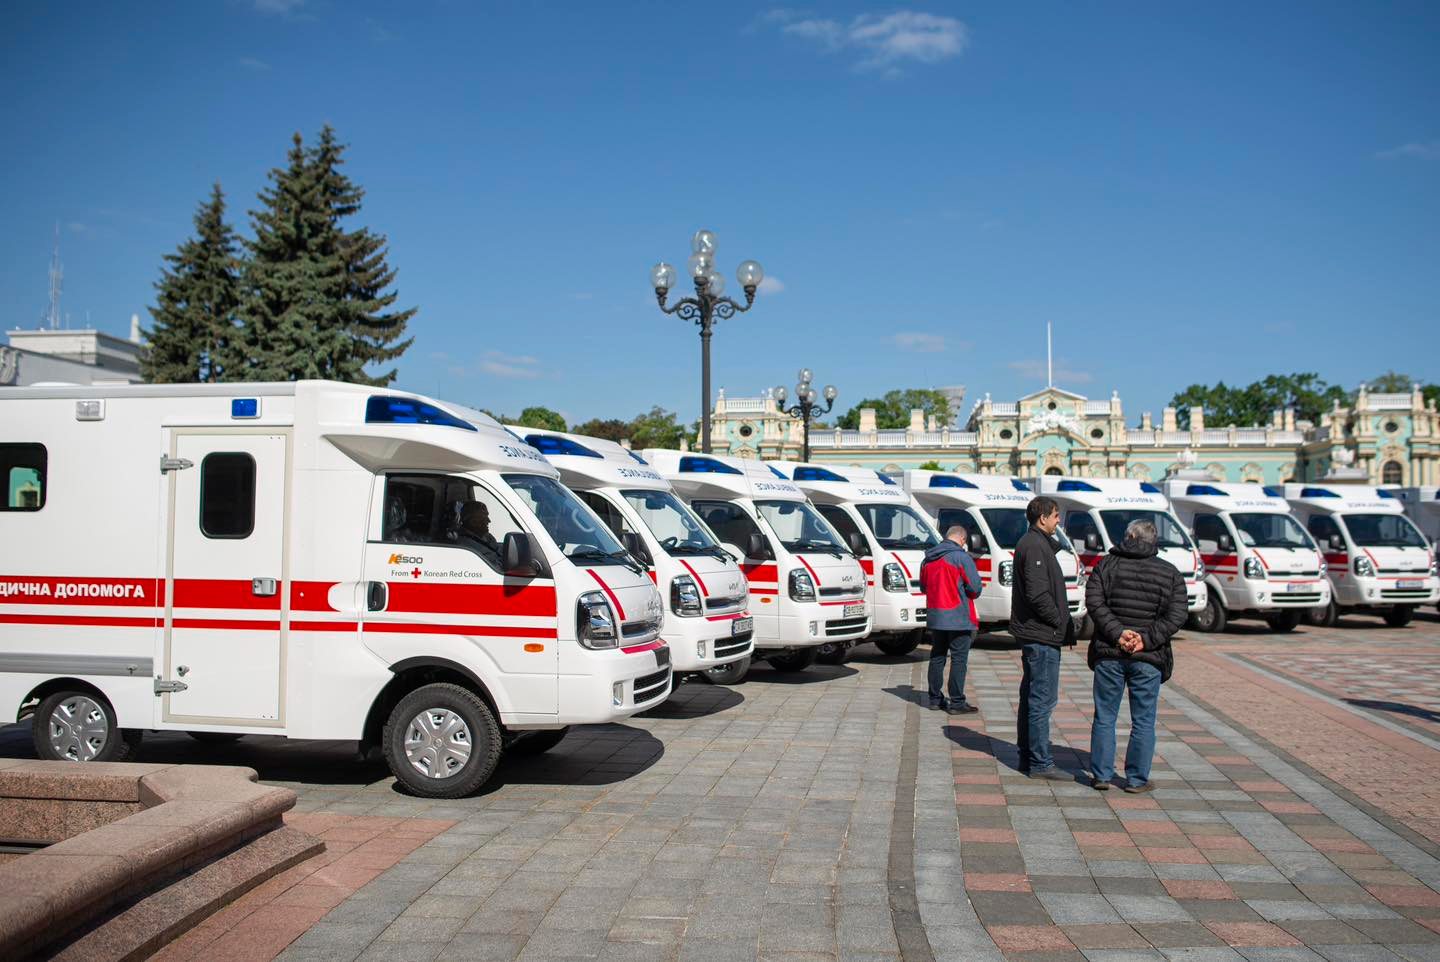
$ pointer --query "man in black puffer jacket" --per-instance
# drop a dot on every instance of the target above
(1137, 602)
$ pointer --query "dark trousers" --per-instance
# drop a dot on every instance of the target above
(1113, 676)
(1039, 691)
(956, 646)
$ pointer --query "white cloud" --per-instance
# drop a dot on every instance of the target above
(1035, 370)
(500, 364)
(1425, 151)
(771, 285)
(253, 63)
(882, 41)
(919, 342)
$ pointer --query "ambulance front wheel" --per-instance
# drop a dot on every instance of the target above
(80, 726)
(1283, 621)
(1399, 616)
(442, 741)
(1213, 617)
(797, 660)
(898, 646)
(731, 673)
(833, 653)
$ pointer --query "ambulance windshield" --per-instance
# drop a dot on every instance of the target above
(898, 527)
(1269, 530)
(799, 527)
(672, 524)
(580, 535)
(1383, 531)
(1007, 526)
(1171, 534)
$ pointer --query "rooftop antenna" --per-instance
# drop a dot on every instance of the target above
(57, 281)
(1049, 359)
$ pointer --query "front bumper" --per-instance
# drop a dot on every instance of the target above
(707, 641)
(807, 625)
(1385, 590)
(620, 683)
(898, 611)
(1196, 595)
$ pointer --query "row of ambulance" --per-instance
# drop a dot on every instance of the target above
(333, 561)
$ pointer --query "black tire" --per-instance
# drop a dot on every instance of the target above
(731, 673)
(538, 743)
(1323, 617)
(484, 741)
(216, 738)
(833, 653)
(1213, 617)
(797, 660)
(897, 646)
(102, 740)
(1398, 616)
(1283, 621)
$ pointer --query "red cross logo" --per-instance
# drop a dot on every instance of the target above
(415, 573)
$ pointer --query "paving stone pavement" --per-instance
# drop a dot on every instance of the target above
(761, 823)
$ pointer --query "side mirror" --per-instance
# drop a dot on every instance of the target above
(857, 544)
(1226, 543)
(979, 544)
(636, 546)
(1337, 543)
(518, 555)
(1092, 541)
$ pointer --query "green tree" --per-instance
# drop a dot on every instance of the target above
(197, 297)
(1393, 383)
(1252, 404)
(540, 417)
(931, 466)
(611, 429)
(893, 410)
(658, 428)
(315, 304)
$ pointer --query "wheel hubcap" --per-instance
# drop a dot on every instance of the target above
(437, 742)
(79, 729)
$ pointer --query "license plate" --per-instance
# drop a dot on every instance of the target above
(854, 611)
(662, 657)
(741, 625)
(1410, 585)
(1293, 586)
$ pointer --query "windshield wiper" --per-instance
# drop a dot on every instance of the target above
(824, 547)
(622, 558)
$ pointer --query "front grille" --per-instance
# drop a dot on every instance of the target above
(1302, 599)
(1404, 594)
(1072, 579)
(721, 604)
(914, 584)
(649, 687)
(1312, 573)
(633, 629)
(1412, 572)
(1074, 606)
(844, 626)
(836, 592)
(733, 646)
(1190, 598)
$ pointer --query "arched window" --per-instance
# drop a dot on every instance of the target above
(1053, 471)
(1392, 473)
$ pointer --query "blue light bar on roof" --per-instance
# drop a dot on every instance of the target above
(777, 472)
(884, 478)
(1149, 488)
(394, 409)
(637, 457)
(1274, 491)
(1386, 493)
(1317, 493)
(1072, 485)
(1019, 485)
(809, 473)
(695, 464)
(949, 481)
(1204, 489)
(550, 444)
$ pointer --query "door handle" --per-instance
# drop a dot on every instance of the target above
(262, 587)
(376, 595)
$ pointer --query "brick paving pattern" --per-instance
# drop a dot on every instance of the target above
(1293, 820)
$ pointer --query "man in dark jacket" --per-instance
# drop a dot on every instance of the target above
(951, 584)
(1040, 621)
(1137, 601)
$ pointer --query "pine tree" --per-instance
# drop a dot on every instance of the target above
(196, 304)
(315, 292)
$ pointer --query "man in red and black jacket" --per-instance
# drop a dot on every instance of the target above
(951, 584)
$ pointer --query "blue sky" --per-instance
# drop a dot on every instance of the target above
(1187, 192)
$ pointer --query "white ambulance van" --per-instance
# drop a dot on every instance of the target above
(991, 509)
(1259, 561)
(707, 623)
(872, 511)
(312, 559)
(1422, 506)
(1377, 559)
(806, 585)
(1094, 513)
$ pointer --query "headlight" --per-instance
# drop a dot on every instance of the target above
(1433, 567)
(801, 587)
(1363, 567)
(1253, 568)
(1199, 569)
(685, 597)
(894, 578)
(1007, 573)
(655, 609)
(595, 622)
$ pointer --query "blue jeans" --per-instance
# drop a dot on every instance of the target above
(1039, 691)
(1112, 677)
(956, 645)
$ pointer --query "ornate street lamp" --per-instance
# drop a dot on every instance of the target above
(806, 406)
(707, 305)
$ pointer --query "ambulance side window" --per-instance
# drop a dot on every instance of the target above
(613, 519)
(729, 522)
(445, 510)
(227, 495)
(22, 471)
(1078, 524)
(1324, 528)
(841, 521)
(1209, 529)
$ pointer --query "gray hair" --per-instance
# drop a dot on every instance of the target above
(1143, 531)
(957, 532)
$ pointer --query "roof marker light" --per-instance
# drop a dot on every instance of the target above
(1070, 484)
(1386, 493)
(695, 464)
(949, 481)
(1317, 493)
(394, 409)
(245, 407)
(1204, 489)
(811, 473)
(884, 478)
(1150, 488)
(1274, 491)
(550, 444)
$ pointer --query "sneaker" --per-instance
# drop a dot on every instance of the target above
(962, 709)
(936, 704)
(1099, 785)
(1051, 774)
(1140, 789)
